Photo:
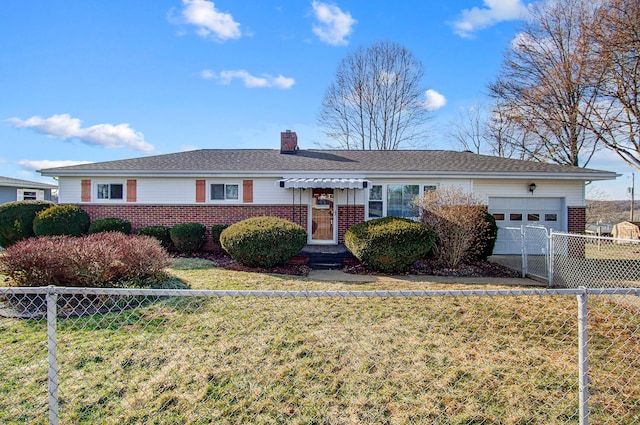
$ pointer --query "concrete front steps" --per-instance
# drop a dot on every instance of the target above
(327, 257)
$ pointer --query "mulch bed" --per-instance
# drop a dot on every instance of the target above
(424, 267)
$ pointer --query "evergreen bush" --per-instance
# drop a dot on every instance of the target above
(161, 233)
(188, 237)
(482, 246)
(389, 244)
(263, 241)
(16, 220)
(216, 230)
(66, 219)
(110, 224)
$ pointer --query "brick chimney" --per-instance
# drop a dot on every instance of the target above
(288, 142)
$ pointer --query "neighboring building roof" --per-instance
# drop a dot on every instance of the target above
(329, 162)
(8, 181)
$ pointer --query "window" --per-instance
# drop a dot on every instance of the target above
(30, 195)
(395, 199)
(400, 200)
(515, 217)
(498, 216)
(110, 190)
(221, 192)
(375, 201)
(533, 217)
(551, 217)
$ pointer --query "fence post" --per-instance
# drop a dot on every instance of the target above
(551, 255)
(523, 249)
(52, 345)
(583, 358)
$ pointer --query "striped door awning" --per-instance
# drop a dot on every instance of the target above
(323, 183)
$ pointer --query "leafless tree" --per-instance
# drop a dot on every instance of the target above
(491, 132)
(615, 41)
(376, 101)
(545, 83)
(469, 129)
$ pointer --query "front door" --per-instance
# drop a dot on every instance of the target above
(322, 216)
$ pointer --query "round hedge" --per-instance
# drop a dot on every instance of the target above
(67, 219)
(188, 237)
(110, 224)
(485, 239)
(16, 220)
(263, 241)
(161, 233)
(389, 244)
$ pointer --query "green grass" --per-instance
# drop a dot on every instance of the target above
(444, 360)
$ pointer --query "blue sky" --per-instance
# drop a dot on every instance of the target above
(85, 81)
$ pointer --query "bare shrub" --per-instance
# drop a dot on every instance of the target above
(98, 260)
(457, 219)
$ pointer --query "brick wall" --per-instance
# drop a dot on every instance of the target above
(347, 217)
(169, 215)
(576, 219)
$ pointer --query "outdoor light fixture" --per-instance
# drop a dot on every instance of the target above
(532, 187)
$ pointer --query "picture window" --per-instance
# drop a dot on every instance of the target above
(222, 192)
(110, 191)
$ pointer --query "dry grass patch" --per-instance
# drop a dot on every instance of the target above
(347, 360)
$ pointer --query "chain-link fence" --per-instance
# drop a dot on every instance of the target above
(87, 356)
(594, 261)
(536, 251)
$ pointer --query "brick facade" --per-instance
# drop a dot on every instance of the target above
(170, 215)
(347, 217)
(576, 219)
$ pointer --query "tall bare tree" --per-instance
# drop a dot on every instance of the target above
(469, 129)
(376, 101)
(545, 82)
(615, 40)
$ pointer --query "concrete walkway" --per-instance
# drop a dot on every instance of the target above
(340, 276)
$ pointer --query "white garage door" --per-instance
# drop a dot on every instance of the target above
(515, 212)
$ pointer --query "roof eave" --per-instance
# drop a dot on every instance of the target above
(543, 175)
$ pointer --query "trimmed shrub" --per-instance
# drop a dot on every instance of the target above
(16, 220)
(98, 260)
(389, 244)
(188, 237)
(161, 233)
(216, 230)
(263, 241)
(482, 246)
(110, 224)
(59, 220)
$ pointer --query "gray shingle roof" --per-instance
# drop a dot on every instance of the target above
(8, 181)
(318, 161)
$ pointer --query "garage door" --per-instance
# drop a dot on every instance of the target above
(515, 212)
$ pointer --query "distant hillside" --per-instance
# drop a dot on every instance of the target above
(611, 211)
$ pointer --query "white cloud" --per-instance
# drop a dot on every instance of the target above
(250, 81)
(333, 24)
(207, 74)
(495, 11)
(211, 23)
(106, 135)
(39, 165)
(434, 100)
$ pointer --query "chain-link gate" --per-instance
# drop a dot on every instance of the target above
(116, 356)
(535, 247)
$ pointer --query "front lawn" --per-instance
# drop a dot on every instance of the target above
(341, 360)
